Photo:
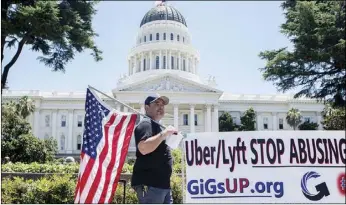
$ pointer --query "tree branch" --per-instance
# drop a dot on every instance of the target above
(11, 63)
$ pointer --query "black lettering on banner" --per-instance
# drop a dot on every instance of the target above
(326, 151)
(243, 149)
(302, 151)
(232, 155)
(281, 149)
(213, 150)
(293, 152)
(312, 160)
(189, 160)
(224, 159)
(261, 142)
(318, 142)
(255, 160)
(333, 150)
(271, 143)
(206, 155)
(198, 153)
(342, 142)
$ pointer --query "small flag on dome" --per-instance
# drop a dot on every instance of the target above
(158, 3)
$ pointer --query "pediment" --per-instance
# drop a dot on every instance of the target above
(169, 83)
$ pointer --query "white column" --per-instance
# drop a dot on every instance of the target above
(258, 121)
(37, 123)
(192, 118)
(188, 64)
(275, 121)
(118, 107)
(70, 131)
(319, 120)
(54, 125)
(215, 119)
(135, 66)
(169, 59)
(197, 64)
(205, 119)
(161, 60)
(166, 65)
(129, 66)
(179, 66)
(126, 109)
(176, 116)
(208, 118)
(151, 60)
(142, 62)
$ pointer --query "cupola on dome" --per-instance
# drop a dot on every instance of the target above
(163, 12)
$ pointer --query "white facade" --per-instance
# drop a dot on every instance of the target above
(168, 67)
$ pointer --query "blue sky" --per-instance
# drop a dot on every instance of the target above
(228, 34)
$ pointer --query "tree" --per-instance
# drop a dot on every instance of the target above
(333, 118)
(226, 123)
(17, 141)
(317, 63)
(248, 120)
(308, 126)
(293, 118)
(57, 29)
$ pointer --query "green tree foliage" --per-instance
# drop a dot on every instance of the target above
(316, 65)
(17, 141)
(334, 118)
(308, 126)
(293, 118)
(248, 120)
(57, 29)
(226, 123)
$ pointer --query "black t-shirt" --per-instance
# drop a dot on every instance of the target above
(153, 169)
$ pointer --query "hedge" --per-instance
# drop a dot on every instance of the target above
(60, 190)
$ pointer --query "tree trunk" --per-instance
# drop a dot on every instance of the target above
(4, 8)
(11, 63)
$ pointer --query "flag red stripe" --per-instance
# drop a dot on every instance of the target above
(124, 150)
(102, 157)
(91, 162)
(112, 163)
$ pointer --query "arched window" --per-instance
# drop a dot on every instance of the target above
(164, 36)
(157, 62)
(184, 65)
(145, 39)
(157, 36)
(144, 64)
(62, 142)
(172, 62)
(172, 37)
(178, 38)
(79, 142)
(151, 37)
(164, 62)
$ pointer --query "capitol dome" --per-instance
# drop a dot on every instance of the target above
(163, 12)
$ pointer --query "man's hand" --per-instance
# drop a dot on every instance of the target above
(170, 130)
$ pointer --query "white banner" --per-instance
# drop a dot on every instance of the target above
(265, 167)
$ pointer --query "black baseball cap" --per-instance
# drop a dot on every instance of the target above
(154, 97)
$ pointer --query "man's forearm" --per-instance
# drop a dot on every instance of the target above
(150, 144)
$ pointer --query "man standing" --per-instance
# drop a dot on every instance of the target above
(153, 167)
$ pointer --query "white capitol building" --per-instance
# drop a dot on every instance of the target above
(163, 61)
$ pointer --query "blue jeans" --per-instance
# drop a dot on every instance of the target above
(152, 195)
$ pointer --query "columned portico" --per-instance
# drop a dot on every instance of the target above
(192, 118)
(54, 125)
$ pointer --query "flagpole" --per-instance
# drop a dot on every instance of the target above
(143, 115)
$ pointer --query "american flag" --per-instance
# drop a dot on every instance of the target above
(106, 138)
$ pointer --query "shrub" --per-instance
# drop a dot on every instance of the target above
(177, 189)
(47, 190)
(40, 168)
(308, 126)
